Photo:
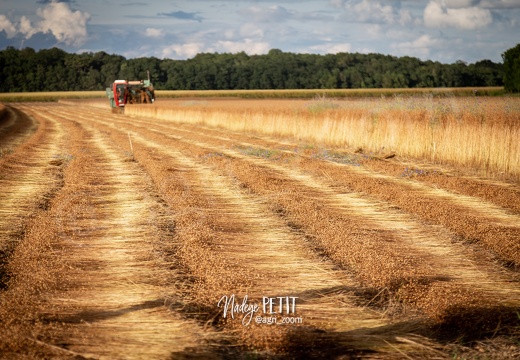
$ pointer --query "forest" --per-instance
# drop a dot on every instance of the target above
(27, 70)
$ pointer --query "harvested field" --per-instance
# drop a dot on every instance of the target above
(126, 237)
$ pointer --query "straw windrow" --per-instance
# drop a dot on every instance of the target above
(438, 292)
(153, 221)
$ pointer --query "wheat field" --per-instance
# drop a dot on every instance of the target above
(342, 229)
(477, 133)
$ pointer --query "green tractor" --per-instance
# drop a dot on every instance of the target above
(124, 92)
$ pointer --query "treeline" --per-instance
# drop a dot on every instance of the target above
(512, 69)
(56, 70)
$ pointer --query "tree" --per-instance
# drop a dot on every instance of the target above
(54, 69)
(512, 69)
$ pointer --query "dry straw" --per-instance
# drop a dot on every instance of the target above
(479, 133)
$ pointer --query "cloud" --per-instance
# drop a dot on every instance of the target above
(7, 26)
(337, 3)
(26, 27)
(368, 11)
(277, 14)
(182, 51)
(310, 16)
(154, 33)
(500, 4)
(67, 26)
(189, 50)
(56, 1)
(247, 45)
(134, 4)
(57, 18)
(271, 14)
(250, 30)
(330, 48)
(183, 15)
(421, 47)
(405, 17)
(438, 15)
(457, 4)
(483, 4)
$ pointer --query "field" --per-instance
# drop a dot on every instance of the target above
(384, 228)
(262, 94)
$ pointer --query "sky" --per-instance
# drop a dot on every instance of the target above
(440, 30)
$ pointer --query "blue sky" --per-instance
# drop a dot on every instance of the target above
(439, 30)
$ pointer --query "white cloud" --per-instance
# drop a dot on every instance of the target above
(7, 26)
(189, 50)
(438, 15)
(247, 45)
(337, 3)
(250, 30)
(153, 33)
(271, 14)
(66, 25)
(278, 14)
(420, 47)
(330, 48)
(405, 17)
(229, 33)
(369, 11)
(457, 4)
(182, 51)
(374, 31)
(500, 4)
(26, 27)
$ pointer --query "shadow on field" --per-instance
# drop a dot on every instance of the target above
(469, 323)
(416, 336)
(310, 343)
(100, 315)
(405, 339)
(477, 323)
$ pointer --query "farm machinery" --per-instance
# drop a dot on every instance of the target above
(124, 92)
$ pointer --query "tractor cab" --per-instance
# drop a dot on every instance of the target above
(120, 92)
(124, 92)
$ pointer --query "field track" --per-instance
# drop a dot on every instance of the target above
(120, 235)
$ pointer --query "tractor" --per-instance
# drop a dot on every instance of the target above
(124, 92)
